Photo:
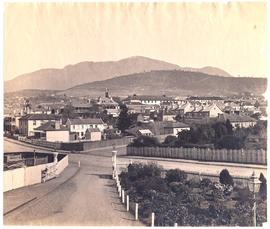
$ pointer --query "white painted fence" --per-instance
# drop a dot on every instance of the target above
(21, 177)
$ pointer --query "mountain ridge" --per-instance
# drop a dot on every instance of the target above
(88, 71)
(171, 82)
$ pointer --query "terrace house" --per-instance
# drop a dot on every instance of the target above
(29, 122)
(80, 126)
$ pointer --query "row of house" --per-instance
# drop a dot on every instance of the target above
(50, 128)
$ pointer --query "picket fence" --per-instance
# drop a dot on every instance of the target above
(222, 155)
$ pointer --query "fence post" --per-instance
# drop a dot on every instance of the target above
(79, 164)
(127, 203)
(136, 211)
(175, 224)
(114, 152)
(119, 190)
(153, 220)
(123, 196)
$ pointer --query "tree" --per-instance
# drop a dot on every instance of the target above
(175, 175)
(263, 187)
(229, 127)
(123, 121)
(145, 141)
(68, 112)
(230, 142)
(225, 177)
(170, 140)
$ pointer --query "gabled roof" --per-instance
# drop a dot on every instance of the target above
(145, 131)
(40, 117)
(50, 126)
(79, 121)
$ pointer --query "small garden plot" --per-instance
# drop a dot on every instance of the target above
(190, 202)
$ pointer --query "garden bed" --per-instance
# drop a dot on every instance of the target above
(189, 202)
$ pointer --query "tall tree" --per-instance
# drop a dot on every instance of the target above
(124, 121)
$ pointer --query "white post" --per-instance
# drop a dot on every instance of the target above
(136, 211)
(114, 152)
(79, 164)
(153, 220)
(175, 224)
(120, 191)
(123, 196)
(127, 203)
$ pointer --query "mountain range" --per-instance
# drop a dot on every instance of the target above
(86, 72)
(140, 75)
(171, 82)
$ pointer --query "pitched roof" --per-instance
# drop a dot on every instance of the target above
(149, 97)
(90, 130)
(81, 105)
(40, 117)
(238, 118)
(175, 125)
(86, 121)
(50, 126)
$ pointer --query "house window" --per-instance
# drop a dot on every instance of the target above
(82, 126)
(73, 127)
(34, 123)
(81, 133)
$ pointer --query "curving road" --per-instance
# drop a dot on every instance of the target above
(88, 199)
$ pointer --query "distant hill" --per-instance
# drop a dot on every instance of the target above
(31, 93)
(86, 72)
(171, 82)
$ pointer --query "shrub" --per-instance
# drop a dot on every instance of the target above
(230, 142)
(170, 141)
(263, 187)
(225, 177)
(175, 175)
(145, 141)
(205, 183)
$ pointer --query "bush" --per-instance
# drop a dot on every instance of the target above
(230, 142)
(205, 183)
(145, 141)
(175, 175)
(225, 177)
(141, 171)
(263, 187)
(170, 141)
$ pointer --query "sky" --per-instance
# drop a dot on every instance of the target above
(230, 36)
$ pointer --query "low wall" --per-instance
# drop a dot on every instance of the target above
(61, 165)
(77, 146)
(21, 177)
(106, 143)
(224, 155)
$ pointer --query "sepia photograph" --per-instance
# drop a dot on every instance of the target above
(146, 114)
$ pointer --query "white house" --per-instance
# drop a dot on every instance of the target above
(144, 132)
(175, 127)
(239, 120)
(214, 110)
(52, 132)
(80, 126)
(93, 134)
(28, 123)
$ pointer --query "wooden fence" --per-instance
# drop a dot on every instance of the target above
(224, 155)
